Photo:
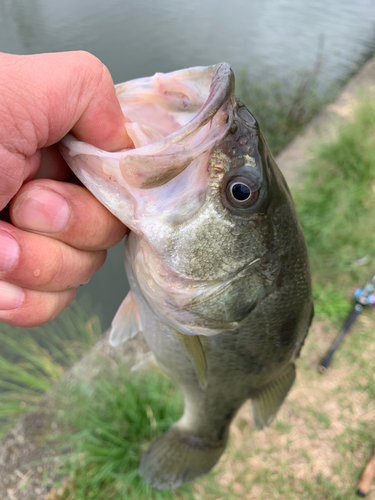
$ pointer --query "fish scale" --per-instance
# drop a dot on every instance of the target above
(220, 282)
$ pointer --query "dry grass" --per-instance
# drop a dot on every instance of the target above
(321, 439)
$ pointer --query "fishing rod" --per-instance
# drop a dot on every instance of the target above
(363, 297)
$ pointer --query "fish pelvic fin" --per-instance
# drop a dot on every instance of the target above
(193, 349)
(177, 457)
(267, 401)
(126, 323)
(149, 364)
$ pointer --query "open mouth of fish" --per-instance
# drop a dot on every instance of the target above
(169, 130)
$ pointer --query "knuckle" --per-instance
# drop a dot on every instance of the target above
(104, 231)
(59, 302)
(71, 268)
(101, 256)
(85, 59)
(39, 308)
(49, 272)
(93, 71)
(50, 275)
(48, 306)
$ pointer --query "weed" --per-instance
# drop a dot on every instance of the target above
(282, 426)
(337, 213)
(111, 422)
(32, 360)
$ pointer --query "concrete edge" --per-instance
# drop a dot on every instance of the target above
(293, 160)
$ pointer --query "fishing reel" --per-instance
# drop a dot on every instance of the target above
(366, 296)
(363, 297)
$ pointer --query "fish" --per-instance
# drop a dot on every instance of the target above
(216, 259)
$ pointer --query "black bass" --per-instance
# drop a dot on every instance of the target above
(216, 258)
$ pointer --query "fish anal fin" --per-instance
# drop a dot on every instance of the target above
(177, 457)
(150, 364)
(126, 323)
(267, 401)
(192, 346)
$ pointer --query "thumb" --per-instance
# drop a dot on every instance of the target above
(44, 96)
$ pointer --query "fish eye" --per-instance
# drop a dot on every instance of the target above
(241, 192)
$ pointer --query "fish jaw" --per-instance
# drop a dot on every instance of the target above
(194, 102)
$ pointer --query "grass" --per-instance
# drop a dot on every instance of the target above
(111, 421)
(33, 360)
(337, 211)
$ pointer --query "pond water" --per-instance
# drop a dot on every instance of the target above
(138, 38)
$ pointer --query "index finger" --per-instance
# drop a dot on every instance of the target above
(68, 213)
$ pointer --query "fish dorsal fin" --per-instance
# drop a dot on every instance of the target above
(126, 323)
(149, 364)
(267, 401)
(192, 346)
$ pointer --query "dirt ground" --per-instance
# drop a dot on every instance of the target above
(323, 435)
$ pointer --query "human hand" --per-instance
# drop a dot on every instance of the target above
(53, 234)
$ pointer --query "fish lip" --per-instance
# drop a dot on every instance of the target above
(221, 88)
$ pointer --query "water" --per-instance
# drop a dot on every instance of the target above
(139, 38)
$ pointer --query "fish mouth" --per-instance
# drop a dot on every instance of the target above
(163, 160)
(120, 180)
(158, 162)
(221, 88)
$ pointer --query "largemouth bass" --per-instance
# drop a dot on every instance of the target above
(216, 258)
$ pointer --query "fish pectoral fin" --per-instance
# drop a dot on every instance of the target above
(267, 401)
(126, 323)
(149, 363)
(193, 349)
(178, 456)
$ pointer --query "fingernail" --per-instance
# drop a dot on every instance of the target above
(42, 210)
(11, 296)
(9, 251)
